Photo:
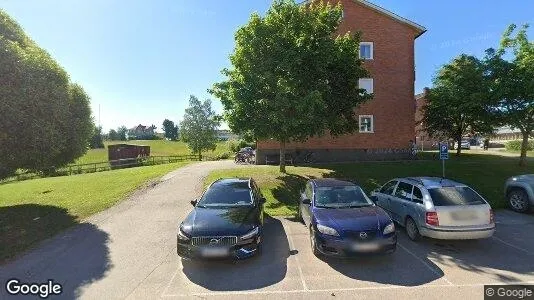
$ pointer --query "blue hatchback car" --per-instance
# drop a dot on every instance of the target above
(343, 221)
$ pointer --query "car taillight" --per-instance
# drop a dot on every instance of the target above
(432, 218)
(492, 217)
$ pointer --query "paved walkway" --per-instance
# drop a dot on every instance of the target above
(129, 251)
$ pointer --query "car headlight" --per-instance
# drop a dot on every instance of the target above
(181, 235)
(389, 228)
(251, 234)
(327, 230)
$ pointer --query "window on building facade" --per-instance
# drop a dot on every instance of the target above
(366, 124)
(366, 50)
(366, 84)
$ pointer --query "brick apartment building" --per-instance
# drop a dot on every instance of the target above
(422, 139)
(387, 121)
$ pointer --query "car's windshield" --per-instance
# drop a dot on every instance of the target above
(450, 196)
(227, 194)
(341, 196)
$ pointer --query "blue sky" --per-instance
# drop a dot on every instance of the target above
(140, 60)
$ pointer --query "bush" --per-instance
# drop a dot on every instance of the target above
(516, 145)
(236, 145)
(224, 155)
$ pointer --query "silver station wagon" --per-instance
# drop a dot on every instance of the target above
(436, 208)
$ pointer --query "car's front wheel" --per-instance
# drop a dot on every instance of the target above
(412, 230)
(299, 216)
(518, 200)
(313, 243)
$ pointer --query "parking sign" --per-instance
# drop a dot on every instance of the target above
(443, 151)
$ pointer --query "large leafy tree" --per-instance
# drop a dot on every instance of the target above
(79, 128)
(198, 128)
(97, 138)
(170, 130)
(45, 120)
(512, 83)
(122, 132)
(457, 102)
(113, 135)
(292, 76)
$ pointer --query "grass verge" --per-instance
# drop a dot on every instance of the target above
(157, 148)
(486, 174)
(33, 210)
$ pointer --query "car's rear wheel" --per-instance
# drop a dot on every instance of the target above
(313, 243)
(518, 200)
(412, 230)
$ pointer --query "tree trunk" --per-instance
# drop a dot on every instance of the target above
(524, 146)
(459, 143)
(200, 155)
(283, 157)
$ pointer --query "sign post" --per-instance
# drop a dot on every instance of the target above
(443, 154)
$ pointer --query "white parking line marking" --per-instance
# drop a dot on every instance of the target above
(236, 293)
(292, 245)
(513, 246)
(425, 263)
(164, 293)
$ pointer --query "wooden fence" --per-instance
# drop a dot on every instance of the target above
(105, 166)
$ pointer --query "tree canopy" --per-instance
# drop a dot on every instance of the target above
(170, 130)
(512, 83)
(292, 76)
(46, 120)
(122, 132)
(457, 103)
(198, 128)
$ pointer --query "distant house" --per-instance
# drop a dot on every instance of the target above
(506, 134)
(225, 135)
(141, 132)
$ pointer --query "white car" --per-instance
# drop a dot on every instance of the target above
(464, 145)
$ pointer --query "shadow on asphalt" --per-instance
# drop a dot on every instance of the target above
(399, 268)
(74, 258)
(21, 226)
(489, 257)
(264, 270)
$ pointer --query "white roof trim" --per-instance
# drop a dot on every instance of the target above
(392, 15)
(387, 13)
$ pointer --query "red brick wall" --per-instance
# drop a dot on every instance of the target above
(422, 138)
(393, 72)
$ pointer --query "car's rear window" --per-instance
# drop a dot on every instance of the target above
(451, 196)
(227, 194)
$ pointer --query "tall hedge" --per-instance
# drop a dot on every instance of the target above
(45, 119)
(516, 145)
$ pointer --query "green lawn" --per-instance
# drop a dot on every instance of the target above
(485, 173)
(157, 148)
(33, 210)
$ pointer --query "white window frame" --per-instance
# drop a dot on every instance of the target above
(360, 117)
(371, 44)
(367, 79)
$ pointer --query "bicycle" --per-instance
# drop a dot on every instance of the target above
(309, 158)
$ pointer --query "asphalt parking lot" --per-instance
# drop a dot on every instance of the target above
(129, 252)
(430, 268)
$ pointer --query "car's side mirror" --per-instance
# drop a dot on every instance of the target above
(306, 201)
(194, 202)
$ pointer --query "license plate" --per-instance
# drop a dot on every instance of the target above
(214, 252)
(365, 247)
(463, 216)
